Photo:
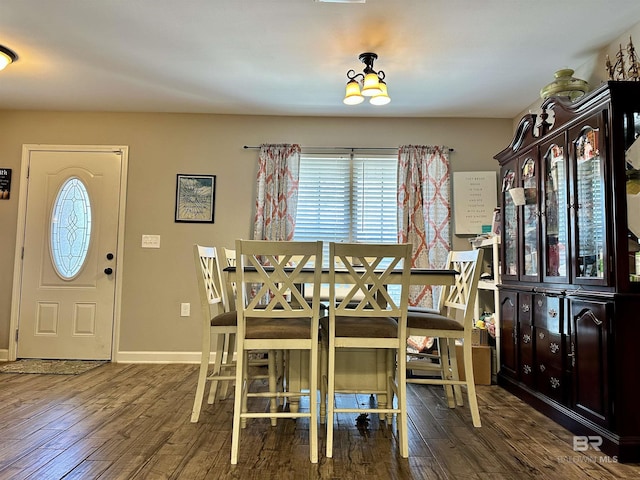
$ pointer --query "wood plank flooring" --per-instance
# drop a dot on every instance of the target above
(132, 422)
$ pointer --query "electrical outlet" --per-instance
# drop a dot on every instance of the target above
(185, 309)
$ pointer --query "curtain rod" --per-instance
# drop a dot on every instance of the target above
(341, 148)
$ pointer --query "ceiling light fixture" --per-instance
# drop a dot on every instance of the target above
(6, 57)
(372, 83)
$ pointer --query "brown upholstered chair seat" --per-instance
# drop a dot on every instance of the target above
(226, 319)
(355, 327)
(412, 309)
(270, 327)
(432, 321)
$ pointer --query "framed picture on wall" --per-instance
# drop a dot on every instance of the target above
(195, 198)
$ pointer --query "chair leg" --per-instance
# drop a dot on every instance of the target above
(313, 406)
(451, 343)
(471, 385)
(390, 374)
(217, 366)
(323, 382)
(227, 363)
(239, 405)
(246, 384)
(273, 385)
(446, 369)
(282, 371)
(402, 418)
(202, 376)
(330, 397)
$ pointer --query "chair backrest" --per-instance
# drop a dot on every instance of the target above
(376, 283)
(268, 286)
(230, 256)
(228, 259)
(458, 300)
(209, 280)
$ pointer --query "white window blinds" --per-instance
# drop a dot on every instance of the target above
(347, 198)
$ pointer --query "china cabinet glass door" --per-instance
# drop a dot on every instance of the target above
(554, 220)
(589, 206)
(509, 226)
(632, 168)
(530, 219)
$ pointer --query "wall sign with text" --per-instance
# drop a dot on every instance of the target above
(475, 197)
(5, 183)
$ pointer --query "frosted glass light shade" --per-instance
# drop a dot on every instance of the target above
(352, 95)
(382, 98)
(4, 60)
(371, 85)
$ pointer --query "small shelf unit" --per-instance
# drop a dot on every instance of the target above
(491, 244)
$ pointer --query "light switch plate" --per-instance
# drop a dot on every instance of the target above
(150, 241)
(185, 309)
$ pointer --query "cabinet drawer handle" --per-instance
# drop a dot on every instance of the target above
(526, 338)
(542, 368)
(553, 313)
(554, 347)
(572, 355)
(540, 303)
(541, 335)
(525, 307)
(555, 383)
(526, 369)
(591, 315)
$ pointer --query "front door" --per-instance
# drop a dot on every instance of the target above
(69, 265)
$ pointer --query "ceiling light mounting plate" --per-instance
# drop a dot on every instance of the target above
(368, 58)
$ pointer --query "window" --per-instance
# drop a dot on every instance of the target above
(70, 228)
(347, 198)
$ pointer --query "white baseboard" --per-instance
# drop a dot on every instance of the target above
(159, 357)
(143, 357)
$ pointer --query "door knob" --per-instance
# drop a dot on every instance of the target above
(108, 270)
(109, 256)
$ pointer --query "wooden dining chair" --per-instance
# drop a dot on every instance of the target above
(219, 321)
(454, 321)
(274, 360)
(273, 313)
(216, 322)
(367, 315)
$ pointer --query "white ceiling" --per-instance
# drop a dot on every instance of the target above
(455, 58)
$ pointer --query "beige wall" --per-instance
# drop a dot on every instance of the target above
(155, 282)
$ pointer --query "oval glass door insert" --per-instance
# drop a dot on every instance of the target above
(70, 228)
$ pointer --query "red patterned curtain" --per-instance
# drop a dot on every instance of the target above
(277, 192)
(424, 210)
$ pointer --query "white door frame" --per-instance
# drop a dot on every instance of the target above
(22, 212)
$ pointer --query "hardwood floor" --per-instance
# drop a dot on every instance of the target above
(132, 422)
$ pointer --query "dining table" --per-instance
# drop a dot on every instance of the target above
(356, 370)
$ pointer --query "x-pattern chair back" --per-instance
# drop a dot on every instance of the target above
(212, 283)
(370, 275)
(457, 296)
(279, 284)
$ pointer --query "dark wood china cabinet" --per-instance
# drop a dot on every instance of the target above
(570, 263)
